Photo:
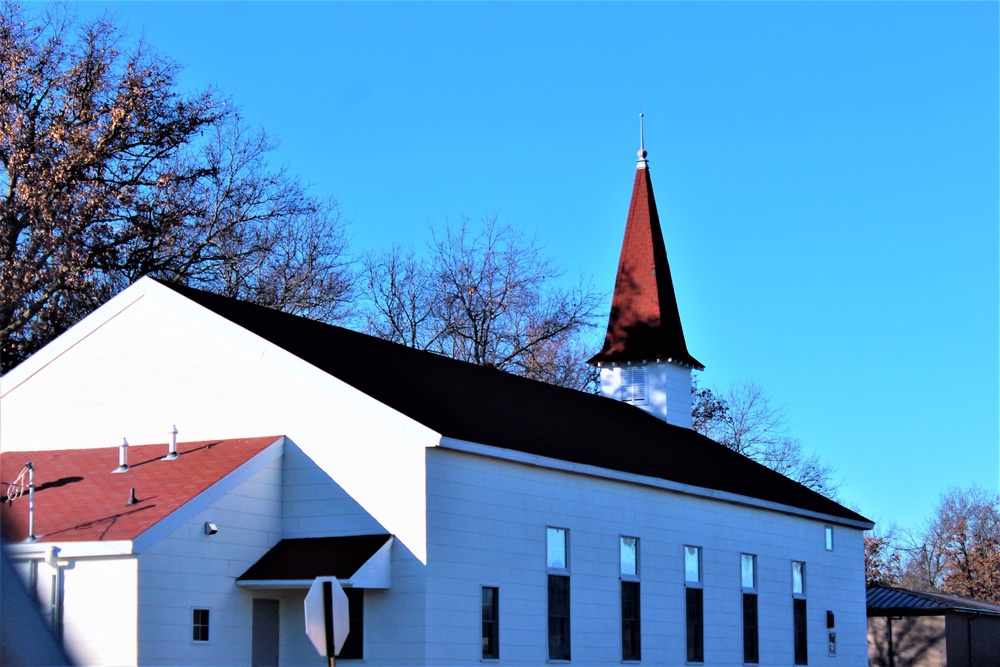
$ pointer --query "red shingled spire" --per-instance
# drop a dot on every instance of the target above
(644, 324)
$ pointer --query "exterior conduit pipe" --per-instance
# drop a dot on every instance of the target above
(31, 502)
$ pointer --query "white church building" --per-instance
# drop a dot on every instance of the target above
(471, 515)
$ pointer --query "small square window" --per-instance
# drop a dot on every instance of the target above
(692, 564)
(199, 625)
(829, 538)
(629, 556)
(748, 571)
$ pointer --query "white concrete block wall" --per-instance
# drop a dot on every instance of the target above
(486, 526)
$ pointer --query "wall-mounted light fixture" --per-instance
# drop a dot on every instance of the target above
(211, 528)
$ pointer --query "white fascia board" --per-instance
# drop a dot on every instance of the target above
(74, 335)
(206, 498)
(36, 550)
(644, 480)
(304, 584)
(284, 360)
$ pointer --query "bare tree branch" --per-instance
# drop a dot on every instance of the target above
(486, 296)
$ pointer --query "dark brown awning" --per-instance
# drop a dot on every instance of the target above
(361, 561)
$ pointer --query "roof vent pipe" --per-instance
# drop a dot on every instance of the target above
(132, 500)
(122, 457)
(172, 448)
(31, 502)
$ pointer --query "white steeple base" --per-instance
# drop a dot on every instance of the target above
(661, 388)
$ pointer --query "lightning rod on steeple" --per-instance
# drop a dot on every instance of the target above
(642, 142)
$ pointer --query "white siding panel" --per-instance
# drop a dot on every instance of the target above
(166, 361)
(171, 585)
(100, 617)
(486, 526)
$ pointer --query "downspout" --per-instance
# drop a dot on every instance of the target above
(31, 502)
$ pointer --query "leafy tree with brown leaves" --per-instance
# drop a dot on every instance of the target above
(963, 537)
(743, 419)
(957, 551)
(883, 560)
(108, 172)
(487, 296)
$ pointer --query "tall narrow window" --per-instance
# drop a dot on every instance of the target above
(491, 623)
(831, 634)
(558, 617)
(799, 613)
(629, 570)
(199, 625)
(801, 635)
(695, 604)
(828, 530)
(748, 577)
(354, 645)
(557, 547)
(633, 388)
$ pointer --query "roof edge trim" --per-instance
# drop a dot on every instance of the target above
(654, 482)
(33, 550)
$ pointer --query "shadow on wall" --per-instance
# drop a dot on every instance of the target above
(25, 637)
(916, 641)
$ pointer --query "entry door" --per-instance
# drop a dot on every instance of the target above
(265, 633)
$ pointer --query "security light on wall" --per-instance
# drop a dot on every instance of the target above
(211, 528)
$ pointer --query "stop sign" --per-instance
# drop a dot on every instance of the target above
(327, 620)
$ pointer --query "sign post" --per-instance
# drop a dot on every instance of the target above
(327, 619)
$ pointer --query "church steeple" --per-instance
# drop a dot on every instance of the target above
(644, 328)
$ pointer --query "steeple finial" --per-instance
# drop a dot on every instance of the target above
(641, 162)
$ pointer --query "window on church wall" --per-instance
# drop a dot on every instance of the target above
(633, 384)
(199, 625)
(630, 608)
(799, 615)
(748, 580)
(354, 645)
(491, 623)
(557, 562)
(694, 595)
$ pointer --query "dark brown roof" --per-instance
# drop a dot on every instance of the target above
(308, 558)
(645, 324)
(888, 601)
(79, 498)
(491, 407)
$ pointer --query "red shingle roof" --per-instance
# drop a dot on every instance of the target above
(78, 498)
(644, 323)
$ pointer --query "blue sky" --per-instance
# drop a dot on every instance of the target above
(826, 175)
